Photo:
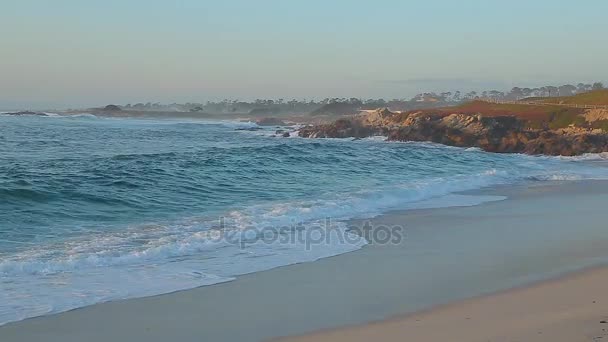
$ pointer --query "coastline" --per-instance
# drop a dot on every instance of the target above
(371, 284)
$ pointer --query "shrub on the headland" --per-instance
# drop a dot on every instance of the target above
(601, 124)
(565, 118)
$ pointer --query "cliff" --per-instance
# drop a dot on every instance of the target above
(504, 134)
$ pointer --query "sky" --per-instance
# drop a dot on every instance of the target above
(78, 53)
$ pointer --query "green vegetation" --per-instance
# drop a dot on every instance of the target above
(601, 124)
(564, 118)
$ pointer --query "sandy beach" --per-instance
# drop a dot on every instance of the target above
(572, 308)
(449, 255)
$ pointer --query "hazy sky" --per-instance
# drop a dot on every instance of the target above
(61, 53)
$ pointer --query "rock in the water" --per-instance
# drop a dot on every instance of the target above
(27, 112)
(286, 135)
(342, 128)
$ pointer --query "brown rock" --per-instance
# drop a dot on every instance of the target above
(504, 134)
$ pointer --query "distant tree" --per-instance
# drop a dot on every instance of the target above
(471, 95)
(457, 96)
(552, 91)
(516, 93)
(355, 101)
(597, 86)
(582, 88)
(112, 108)
(566, 90)
(496, 95)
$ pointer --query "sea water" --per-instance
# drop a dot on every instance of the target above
(99, 209)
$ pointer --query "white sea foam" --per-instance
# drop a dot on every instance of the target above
(81, 115)
(473, 149)
(376, 138)
(586, 157)
(94, 271)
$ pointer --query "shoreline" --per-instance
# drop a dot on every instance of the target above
(458, 314)
(274, 303)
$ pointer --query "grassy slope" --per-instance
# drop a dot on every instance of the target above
(525, 112)
(535, 116)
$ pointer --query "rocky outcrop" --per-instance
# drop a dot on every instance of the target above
(342, 128)
(378, 118)
(504, 134)
(567, 144)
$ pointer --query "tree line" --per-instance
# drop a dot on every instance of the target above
(307, 106)
(516, 93)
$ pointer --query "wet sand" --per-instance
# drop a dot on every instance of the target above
(447, 255)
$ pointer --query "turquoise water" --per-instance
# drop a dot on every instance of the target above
(97, 209)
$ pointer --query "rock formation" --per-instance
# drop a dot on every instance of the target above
(505, 134)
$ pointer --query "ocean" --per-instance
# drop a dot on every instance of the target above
(99, 209)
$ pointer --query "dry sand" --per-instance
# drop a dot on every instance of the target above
(569, 309)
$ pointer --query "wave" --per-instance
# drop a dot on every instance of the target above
(155, 259)
(24, 193)
(160, 258)
(167, 259)
(195, 235)
(80, 115)
(51, 115)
